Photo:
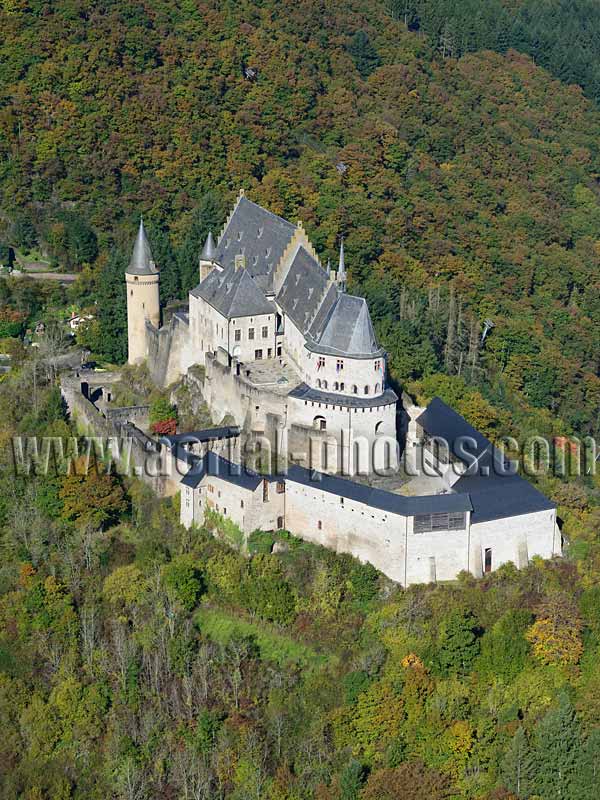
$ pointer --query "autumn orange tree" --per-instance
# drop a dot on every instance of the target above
(90, 494)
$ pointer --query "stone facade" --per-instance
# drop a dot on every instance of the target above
(292, 359)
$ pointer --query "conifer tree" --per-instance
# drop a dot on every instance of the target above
(557, 744)
(517, 769)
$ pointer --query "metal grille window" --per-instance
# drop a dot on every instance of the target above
(426, 523)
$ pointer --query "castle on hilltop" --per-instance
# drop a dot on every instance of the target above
(286, 359)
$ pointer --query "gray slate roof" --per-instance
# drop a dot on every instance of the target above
(303, 289)
(440, 420)
(233, 293)
(203, 435)
(306, 392)
(209, 250)
(496, 491)
(349, 330)
(379, 498)
(219, 467)
(259, 235)
(142, 261)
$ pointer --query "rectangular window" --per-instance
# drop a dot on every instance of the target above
(238, 335)
(377, 366)
(241, 503)
(280, 487)
(265, 332)
(339, 365)
(320, 362)
(265, 491)
(426, 523)
(258, 355)
(250, 333)
(270, 352)
(279, 350)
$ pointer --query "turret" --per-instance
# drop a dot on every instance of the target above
(142, 280)
(207, 257)
(341, 273)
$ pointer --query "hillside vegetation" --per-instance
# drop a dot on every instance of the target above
(142, 661)
(478, 174)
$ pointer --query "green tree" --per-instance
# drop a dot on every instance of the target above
(183, 581)
(458, 644)
(517, 769)
(365, 56)
(557, 747)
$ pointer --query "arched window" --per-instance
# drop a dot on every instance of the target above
(355, 389)
(320, 423)
(342, 387)
(376, 388)
(336, 386)
(366, 390)
(318, 383)
(379, 426)
(324, 384)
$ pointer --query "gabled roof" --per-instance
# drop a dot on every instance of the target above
(498, 496)
(379, 498)
(203, 435)
(217, 466)
(349, 330)
(440, 420)
(303, 290)
(233, 293)
(495, 489)
(259, 235)
(142, 261)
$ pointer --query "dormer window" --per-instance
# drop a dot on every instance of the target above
(310, 292)
(227, 241)
(260, 233)
(268, 252)
(239, 236)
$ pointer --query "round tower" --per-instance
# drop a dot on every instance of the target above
(206, 262)
(143, 304)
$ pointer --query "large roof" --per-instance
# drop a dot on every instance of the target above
(379, 498)
(495, 489)
(464, 441)
(303, 289)
(142, 261)
(233, 293)
(219, 467)
(257, 234)
(349, 330)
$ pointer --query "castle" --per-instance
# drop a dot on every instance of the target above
(291, 363)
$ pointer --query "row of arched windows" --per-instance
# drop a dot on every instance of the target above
(341, 387)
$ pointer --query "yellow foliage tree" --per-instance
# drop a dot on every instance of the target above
(555, 636)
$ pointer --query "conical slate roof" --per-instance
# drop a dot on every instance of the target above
(142, 262)
(349, 329)
(209, 250)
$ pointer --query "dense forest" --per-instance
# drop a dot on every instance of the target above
(140, 660)
(454, 145)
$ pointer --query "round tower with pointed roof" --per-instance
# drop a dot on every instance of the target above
(142, 280)
(207, 257)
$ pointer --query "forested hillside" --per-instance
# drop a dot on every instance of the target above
(476, 176)
(140, 660)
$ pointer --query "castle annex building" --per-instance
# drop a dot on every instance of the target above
(291, 359)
